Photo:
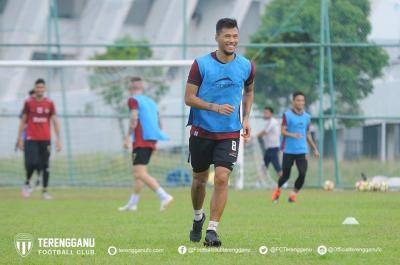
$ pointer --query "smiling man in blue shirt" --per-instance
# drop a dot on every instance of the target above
(214, 92)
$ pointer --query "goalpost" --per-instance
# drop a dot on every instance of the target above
(90, 98)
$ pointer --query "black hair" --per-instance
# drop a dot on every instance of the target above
(298, 93)
(228, 23)
(31, 92)
(136, 79)
(269, 108)
(40, 81)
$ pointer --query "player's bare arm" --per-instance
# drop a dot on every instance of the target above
(248, 97)
(192, 100)
(22, 124)
(56, 126)
(312, 144)
(133, 122)
(262, 133)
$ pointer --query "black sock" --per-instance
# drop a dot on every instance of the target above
(45, 179)
(29, 173)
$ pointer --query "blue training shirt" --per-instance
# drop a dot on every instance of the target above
(295, 123)
(148, 116)
(222, 83)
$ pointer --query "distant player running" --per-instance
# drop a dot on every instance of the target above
(296, 134)
(38, 112)
(144, 131)
(271, 140)
(214, 91)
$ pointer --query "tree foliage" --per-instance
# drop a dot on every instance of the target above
(281, 71)
(112, 82)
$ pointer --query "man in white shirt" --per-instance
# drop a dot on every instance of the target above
(271, 138)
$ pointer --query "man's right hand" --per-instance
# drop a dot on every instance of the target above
(58, 145)
(127, 142)
(225, 109)
(20, 144)
(297, 135)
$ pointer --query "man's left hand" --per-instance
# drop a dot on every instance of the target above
(246, 129)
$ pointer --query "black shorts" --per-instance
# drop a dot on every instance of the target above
(204, 152)
(141, 155)
(271, 155)
(37, 154)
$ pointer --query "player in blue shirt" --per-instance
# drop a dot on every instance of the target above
(214, 92)
(296, 136)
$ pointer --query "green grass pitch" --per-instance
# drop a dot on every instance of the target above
(250, 220)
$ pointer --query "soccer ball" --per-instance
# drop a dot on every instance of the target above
(362, 185)
(329, 185)
(384, 186)
(358, 185)
(375, 186)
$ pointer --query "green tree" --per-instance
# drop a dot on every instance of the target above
(112, 82)
(281, 71)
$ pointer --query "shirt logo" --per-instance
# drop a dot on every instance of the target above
(300, 125)
(39, 119)
(224, 79)
(232, 154)
(224, 82)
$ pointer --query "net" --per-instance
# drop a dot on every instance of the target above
(91, 103)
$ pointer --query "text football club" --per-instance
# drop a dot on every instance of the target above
(25, 245)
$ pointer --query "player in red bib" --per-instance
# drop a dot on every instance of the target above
(38, 113)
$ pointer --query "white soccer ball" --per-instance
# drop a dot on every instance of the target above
(362, 185)
(329, 185)
(384, 186)
(358, 185)
(374, 186)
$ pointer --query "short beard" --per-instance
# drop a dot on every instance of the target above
(228, 53)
